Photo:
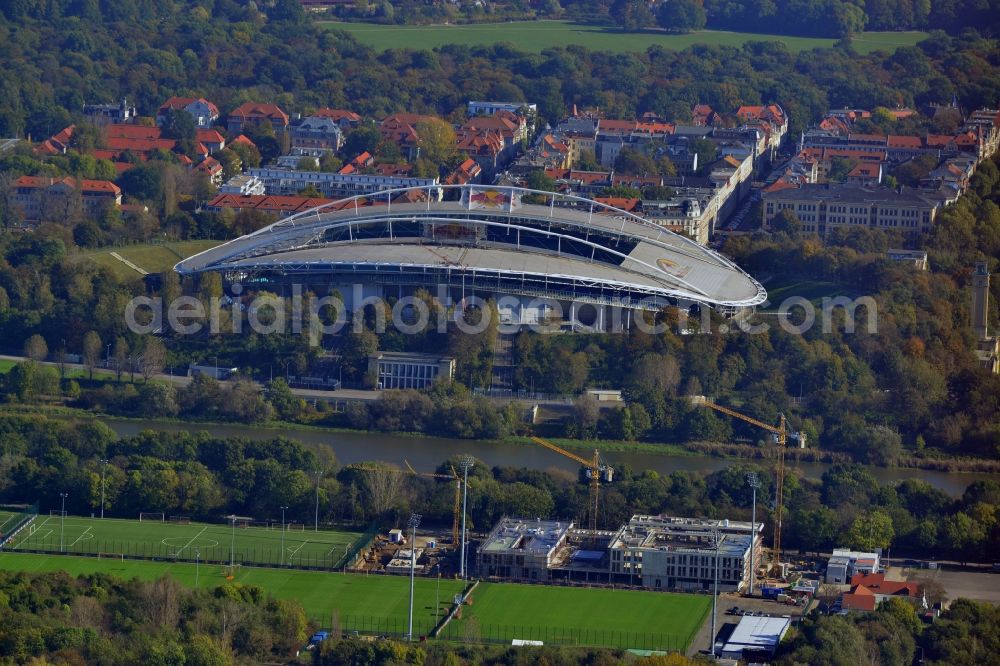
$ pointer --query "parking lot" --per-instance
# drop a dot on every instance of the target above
(980, 586)
(729, 601)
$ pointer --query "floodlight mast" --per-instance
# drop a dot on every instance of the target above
(754, 484)
(466, 464)
(414, 521)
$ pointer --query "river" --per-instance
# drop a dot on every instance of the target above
(426, 453)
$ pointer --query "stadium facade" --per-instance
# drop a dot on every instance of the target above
(535, 252)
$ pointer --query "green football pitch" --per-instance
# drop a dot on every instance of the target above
(369, 604)
(158, 539)
(379, 604)
(536, 36)
(582, 616)
(7, 520)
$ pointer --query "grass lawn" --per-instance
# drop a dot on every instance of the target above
(583, 616)
(151, 257)
(812, 290)
(536, 36)
(171, 540)
(366, 603)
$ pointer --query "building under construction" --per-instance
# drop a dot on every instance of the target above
(658, 552)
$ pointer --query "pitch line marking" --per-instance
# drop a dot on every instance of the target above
(192, 540)
(83, 534)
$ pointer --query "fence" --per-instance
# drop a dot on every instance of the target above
(362, 543)
(470, 630)
(391, 627)
(26, 517)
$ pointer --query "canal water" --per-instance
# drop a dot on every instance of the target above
(426, 453)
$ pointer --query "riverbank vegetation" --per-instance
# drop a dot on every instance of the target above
(207, 477)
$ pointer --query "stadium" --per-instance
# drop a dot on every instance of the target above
(537, 253)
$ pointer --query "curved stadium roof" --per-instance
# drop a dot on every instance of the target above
(566, 247)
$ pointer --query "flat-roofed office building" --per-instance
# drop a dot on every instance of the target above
(397, 370)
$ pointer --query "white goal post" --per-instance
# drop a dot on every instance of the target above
(151, 515)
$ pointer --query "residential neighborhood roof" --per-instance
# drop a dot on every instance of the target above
(85, 185)
(256, 111)
(178, 103)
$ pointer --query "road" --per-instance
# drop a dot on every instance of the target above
(339, 395)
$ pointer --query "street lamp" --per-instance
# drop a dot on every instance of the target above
(232, 548)
(754, 483)
(62, 522)
(319, 475)
(414, 521)
(283, 534)
(104, 466)
(197, 566)
(437, 595)
(466, 464)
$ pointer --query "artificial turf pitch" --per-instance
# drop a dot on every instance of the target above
(379, 604)
(179, 541)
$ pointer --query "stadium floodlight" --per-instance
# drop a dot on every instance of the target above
(197, 566)
(283, 534)
(319, 476)
(754, 484)
(104, 466)
(414, 521)
(232, 548)
(62, 522)
(466, 463)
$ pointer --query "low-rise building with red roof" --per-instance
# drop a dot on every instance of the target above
(346, 119)
(280, 206)
(254, 113)
(203, 112)
(465, 173)
(38, 198)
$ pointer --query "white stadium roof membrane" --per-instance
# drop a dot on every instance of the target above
(566, 246)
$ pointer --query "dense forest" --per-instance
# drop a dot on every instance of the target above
(208, 477)
(62, 54)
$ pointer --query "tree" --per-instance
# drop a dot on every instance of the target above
(871, 530)
(587, 161)
(154, 357)
(35, 348)
(787, 222)
(632, 14)
(119, 352)
(657, 193)
(681, 15)
(92, 348)
(539, 180)
(437, 141)
(382, 484)
(362, 139)
(634, 162)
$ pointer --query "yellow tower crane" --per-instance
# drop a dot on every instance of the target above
(457, 511)
(782, 435)
(595, 470)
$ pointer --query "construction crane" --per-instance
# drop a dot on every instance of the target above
(595, 470)
(457, 512)
(781, 434)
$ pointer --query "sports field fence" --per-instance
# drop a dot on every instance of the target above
(470, 630)
(18, 517)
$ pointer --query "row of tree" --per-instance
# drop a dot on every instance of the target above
(209, 477)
